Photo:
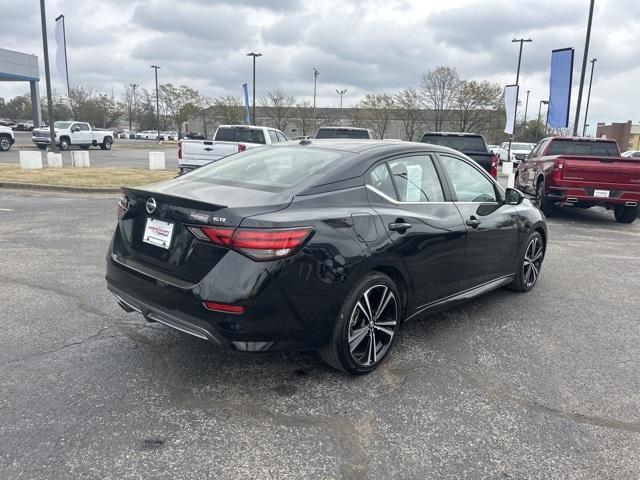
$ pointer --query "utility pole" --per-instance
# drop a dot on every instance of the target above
(521, 41)
(155, 67)
(47, 75)
(134, 104)
(253, 111)
(526, 108)
(341, 93)
(586, 110)
(315, 83)
(584, 69)
(545, 102)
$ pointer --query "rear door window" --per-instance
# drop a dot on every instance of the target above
(380, 179)
(240, 134)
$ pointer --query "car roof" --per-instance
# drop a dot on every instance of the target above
(457, 134)
(345, 128)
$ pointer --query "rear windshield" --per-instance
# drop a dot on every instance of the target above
(522, 146)
(239, 134)
(62, 125)
(267, 168)
(341, 133)
(583, 147)
(460, 143)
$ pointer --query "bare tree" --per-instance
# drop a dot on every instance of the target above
(304, 117)
(277, 106)
(475, 103)
(80, 100)
(408, 104)
(178, 102)
(127, 100)
(438, 90)
(229, 109)
(374, 112)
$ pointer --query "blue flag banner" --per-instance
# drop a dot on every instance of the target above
(560, 80)
(247, 117)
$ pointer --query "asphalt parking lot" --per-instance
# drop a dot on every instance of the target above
(538, 385)
(125, 153)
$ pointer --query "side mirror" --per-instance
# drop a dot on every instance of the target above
(513, 196)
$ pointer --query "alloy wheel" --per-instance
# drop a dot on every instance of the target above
(532, 262)
(4, 144)
(372, 326)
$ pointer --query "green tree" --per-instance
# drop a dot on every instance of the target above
(178, 103)
(475, 102)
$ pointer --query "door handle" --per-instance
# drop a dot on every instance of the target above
(208, 149)
(399, 226)
(473, 222)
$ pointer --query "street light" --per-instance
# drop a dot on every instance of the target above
(546, 102)
(315, 83)
(341, 92)
(586, 110)
(253, 112)
(155, 67)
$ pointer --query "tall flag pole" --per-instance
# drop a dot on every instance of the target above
(61, 53)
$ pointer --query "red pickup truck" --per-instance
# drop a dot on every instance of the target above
(583, 172)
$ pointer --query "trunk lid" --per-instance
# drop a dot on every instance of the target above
(181, 204)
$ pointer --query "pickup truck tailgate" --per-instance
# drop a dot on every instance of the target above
(602, 171)
(206, 151)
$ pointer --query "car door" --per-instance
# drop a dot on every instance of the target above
(83, 136)
(425, 229)
(491, 225)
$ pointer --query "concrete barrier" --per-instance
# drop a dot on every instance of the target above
(30, 160)
(156, 161)
(80, 159)
(54, 160)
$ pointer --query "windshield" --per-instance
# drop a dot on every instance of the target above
(583, 147)
(341, 133)
(267, 168)
(240, 134)
(522, 146)
(62, 125)
(457, 142)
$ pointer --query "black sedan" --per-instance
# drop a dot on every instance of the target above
(326, 245)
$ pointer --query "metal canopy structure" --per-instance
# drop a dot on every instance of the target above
(21, 67)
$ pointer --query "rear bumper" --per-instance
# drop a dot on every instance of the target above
(586, 196)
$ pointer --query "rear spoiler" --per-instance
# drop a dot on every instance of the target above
(171, 199)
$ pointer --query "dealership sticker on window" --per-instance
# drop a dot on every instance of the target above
(414, 180)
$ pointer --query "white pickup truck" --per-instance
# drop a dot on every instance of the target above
(73, 133)
(6, 138)
(227, 139)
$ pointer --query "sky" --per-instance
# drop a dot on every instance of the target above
(364, 46)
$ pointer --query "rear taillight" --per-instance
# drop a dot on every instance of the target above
(494, 166)
(260, 244)
(180, 150)
(224, 307)
(242, 147)
(556, 176)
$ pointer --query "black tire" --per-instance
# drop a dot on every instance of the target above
(541, 201)
(64, 144)
(5, 143)
(106, 145)
(625, 214)
(526, 275)
(42, 146)
(84, 147)
(371, 341)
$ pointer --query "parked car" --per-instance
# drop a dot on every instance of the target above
(227, 139)
(24, 126)
(345, 132)
(584, 172)
(301, 137)
(631, 153)
(6, 138)
(471, 144)
(5, 122)
(73, 133)
(193, 136)
(169, 135)
(519, 151)
(320, 245)
(147, 135)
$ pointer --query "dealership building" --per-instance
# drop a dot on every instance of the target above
(22, 67)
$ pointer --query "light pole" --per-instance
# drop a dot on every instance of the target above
(315, 84)
(341, 93)
(586, 110)
(526, 108)
(253, 109)
(155, 67)
(584, 69)
(103, 98)
(134, 104)
(521, 41)
(546, 102)
(47, 75)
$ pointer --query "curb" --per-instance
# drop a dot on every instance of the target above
(58, 188)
